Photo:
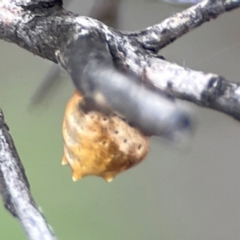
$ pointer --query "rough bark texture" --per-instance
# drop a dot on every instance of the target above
(106, 11)
(47, 30)
(15, 189)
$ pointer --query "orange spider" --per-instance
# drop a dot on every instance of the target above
(96, 144)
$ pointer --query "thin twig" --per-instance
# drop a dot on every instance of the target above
(15, 189)
(160, 35)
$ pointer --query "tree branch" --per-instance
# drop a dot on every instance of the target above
(123, 62)
(160, 35)
(15, 191)
(47, 30)
(206, 90)
(106, 11)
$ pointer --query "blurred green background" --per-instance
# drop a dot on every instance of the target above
(191, 193)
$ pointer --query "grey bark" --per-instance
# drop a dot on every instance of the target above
(106, 11)
(47, 30)
(15, 189)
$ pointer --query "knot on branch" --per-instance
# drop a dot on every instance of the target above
(213, 90)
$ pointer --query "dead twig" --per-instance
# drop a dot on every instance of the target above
(15, 189)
